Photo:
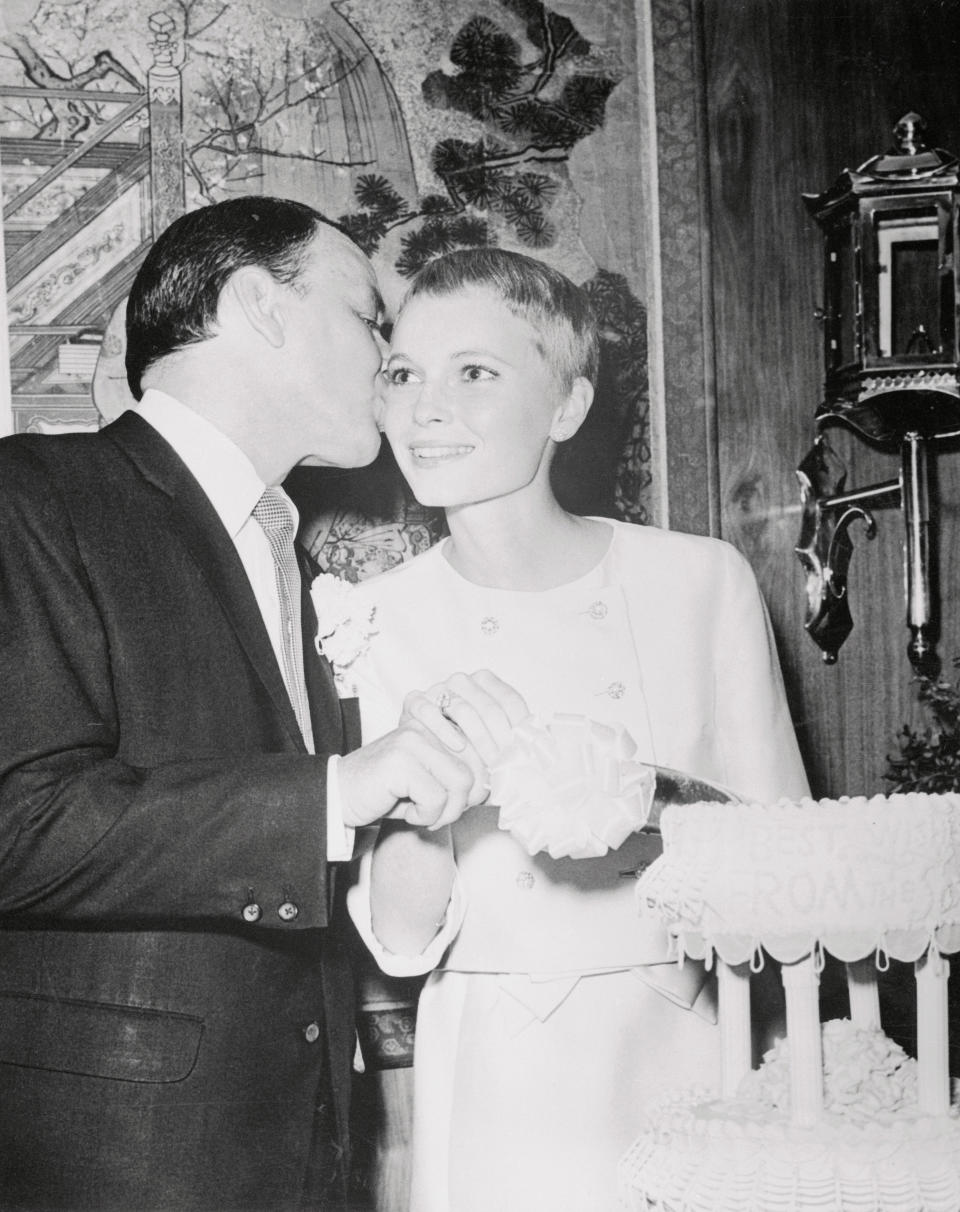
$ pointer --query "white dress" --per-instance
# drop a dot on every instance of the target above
(553, 1017)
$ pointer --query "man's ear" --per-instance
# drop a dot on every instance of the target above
(252, 295)
(571, 414)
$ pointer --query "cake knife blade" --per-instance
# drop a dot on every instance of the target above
(671, 787)
(675, 787)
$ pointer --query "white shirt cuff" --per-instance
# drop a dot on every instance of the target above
(340, 837)
(358, 906)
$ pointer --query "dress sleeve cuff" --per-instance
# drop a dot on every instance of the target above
(340, 837)
(358, 905)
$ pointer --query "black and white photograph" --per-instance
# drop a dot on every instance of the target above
(480, 606)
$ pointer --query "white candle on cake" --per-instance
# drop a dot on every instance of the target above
(933, 1062)
(801, 983)
(736, 1049)
(862, 990)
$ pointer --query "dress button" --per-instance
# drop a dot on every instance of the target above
(525, 881)
(616, 690)
(251, 912)
(311, 1033)
(287, 911)
(597, 610)
(489, 625)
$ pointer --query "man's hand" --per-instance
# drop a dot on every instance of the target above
(407, 774)
(434, 765)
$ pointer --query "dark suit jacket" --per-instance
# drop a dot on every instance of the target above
(159, 1048)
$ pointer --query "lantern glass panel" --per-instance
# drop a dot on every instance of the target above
(841, 296)
(847, 328)
(908, 284)
(948, 289)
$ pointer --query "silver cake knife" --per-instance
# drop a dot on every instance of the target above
(674, 787)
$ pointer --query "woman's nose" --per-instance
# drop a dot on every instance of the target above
(430, 404)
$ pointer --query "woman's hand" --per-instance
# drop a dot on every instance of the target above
(473, 716)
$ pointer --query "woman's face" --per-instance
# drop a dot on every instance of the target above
(468, 399)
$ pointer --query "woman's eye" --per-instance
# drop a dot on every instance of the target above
(398, 376)
(477, 374)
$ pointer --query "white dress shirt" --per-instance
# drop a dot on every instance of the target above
(233, 488)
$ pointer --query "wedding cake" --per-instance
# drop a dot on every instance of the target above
(837, 1117)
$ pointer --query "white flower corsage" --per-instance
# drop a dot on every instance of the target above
(343, 630)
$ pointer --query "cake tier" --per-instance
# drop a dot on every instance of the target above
(870, 1150)
(715, 1157)
(852, 875)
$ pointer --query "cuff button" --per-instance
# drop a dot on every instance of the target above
(287, 911)
(252, 912)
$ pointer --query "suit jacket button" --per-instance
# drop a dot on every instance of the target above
(287, 911)
(251, 912)
(311, 1033)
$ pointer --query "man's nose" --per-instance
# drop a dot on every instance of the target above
(379, 403)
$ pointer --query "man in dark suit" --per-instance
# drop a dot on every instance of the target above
(176, 1020)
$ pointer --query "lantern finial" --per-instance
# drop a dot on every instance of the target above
(909, 135)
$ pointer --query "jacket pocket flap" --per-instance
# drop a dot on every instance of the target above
(126, 1043)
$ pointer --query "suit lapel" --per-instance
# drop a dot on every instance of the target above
(322, 692)
(203, 535)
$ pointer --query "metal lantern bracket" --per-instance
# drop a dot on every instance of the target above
(825, 545)
(892, 358)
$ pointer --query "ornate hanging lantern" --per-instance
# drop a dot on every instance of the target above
(892, 358)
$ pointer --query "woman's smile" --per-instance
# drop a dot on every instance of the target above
(434, 453)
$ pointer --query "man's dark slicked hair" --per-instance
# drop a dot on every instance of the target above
(174, 298)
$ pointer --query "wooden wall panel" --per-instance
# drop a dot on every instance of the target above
(796, 91)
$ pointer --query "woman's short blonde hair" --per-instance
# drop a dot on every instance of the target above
(557, 310)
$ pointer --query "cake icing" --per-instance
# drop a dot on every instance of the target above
(837, 1118)
(870, 1151)
(853, 876)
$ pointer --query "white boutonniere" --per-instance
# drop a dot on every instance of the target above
(344, 629)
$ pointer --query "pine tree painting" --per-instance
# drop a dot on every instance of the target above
(528, 101)
(422, 125)
(534, 106)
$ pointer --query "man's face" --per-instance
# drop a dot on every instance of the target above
(332, 318)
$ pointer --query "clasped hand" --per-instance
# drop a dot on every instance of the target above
(434, 765)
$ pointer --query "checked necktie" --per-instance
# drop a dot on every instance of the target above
(277, 524)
